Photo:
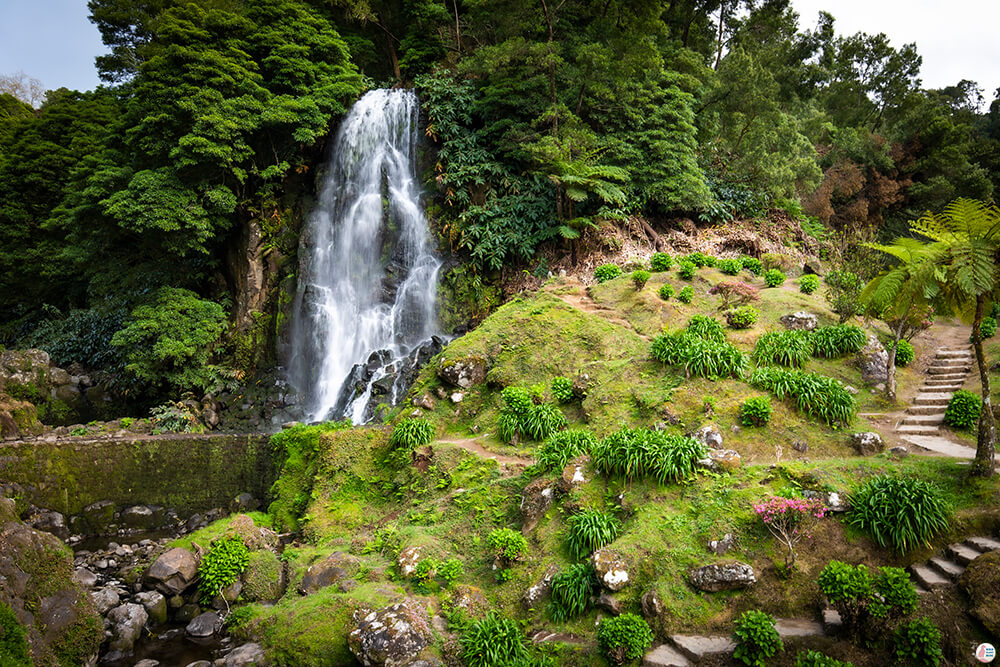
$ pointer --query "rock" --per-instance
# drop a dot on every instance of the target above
(140, 517)
(872, 360)
(470, 599)
(408, 559)
(867, 443)
(899, 452)
(50, 522)
(611, 570)
(722, 459)
(722, 546)
(148, 662)
(97, 518)
(199, 663)
(328, 572)
(248, 655)
(264, 580)
(58, 376)
(390, 637)
(155, 605)
(535, 502)
(105, 599)
(709, 435)
(573, 475)
(535, 593)
(173, 572)
(126, 622)
(227, 596)
(457, 397)
(811, 267)
(18, 419)
(800, 446)
(85, 577)
(722, 577)
(424, 401)
(245, 502)
(608, 603)
(981, 580)
(652, 605)
(253, 536)
(464, 373)
(204, 625)
(800, 320)
(187, 613)
(850, 389)
(25, 373)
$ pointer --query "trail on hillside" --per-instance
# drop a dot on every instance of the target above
(472, 446)
(579, 298)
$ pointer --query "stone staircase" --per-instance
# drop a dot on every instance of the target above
(946, 375)
(944, 571)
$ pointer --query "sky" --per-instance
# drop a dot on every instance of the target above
(53, 41)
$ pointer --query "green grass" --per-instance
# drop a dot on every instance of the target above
(205, 536)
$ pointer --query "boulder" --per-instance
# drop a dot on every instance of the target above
(327, 572)
(228, 596)
(126, 623)
(85, 577)
(245, 502)
(800, 320)
(652, 605)
(813, 267)
(105, 599)
(709, 435)
(535, 502)
(253, 536)
(141, 517)
(173, 572)
(981, 580)
(722, 459)
(96, 518)
(24, 374)
(465, 372)
(408, 559)
(425, 401)
(393, 636)
(204, 625)
(722, 577)
(535, 593)
(573, 475)
(611, 569)
(264, 580)
(872, 360)
(470, 599)
(155, 606)
(248, 655)
(18, 419)
(147, 662)
(608, 603)
(867, 443)
(722, 546)
(50, 522)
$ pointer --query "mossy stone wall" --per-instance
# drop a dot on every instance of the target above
(189, 473)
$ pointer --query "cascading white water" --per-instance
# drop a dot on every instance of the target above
(368, 275)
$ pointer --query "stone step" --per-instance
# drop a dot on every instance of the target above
(938, 380)
(696, 647)
(932, 398)
(927, 409)
(665, 655)
(948, 377)
(937, 418)
(946, 567)
(962, 554)
(918, 429)
(983, 544)
(798, 627)
(949, 369)
(953, 354)
(940, 388)
(928, 578)
(832, 622)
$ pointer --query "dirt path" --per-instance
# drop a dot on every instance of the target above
(574, 293)
(472, 446)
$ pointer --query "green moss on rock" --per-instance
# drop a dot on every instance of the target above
(981, 580)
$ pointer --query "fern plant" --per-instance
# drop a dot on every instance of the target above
(571, 592)
(699, 357)
(816, 395)
(562, 389)
(838, 340)
(411, 433)
(707, 328)
(783, 348)
(589, 530)
(221, 566)
(742, 317)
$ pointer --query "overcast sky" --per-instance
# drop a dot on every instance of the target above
(53, 41)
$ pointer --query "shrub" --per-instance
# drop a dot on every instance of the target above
(660, 261)
(779, 261)
(816, 395)
(843, 292)
(963, 410)
(220, 567)
(506, 545)
(589, 530)
(987, 327)
(411, 433)
(542, 421)
(624, 638)
(606, 272)
(773, 278)
(563, 446)
(783, 348)
(868, 604)
(899, 512)
(735, 293)
(699, 357)
(742, 317)
(172, 417)
(730, 267)
(450, 570)
(808, 283)
(817, 659)
(686, 269)
(686, 294)
(919, 643)
(756, 411)
(520, 415)
(571, 592)
(494, 641)
(752, 264)
(756, 638)
(789, 520)
(710, 260)
(639, 278)
(838, 340)
(634, 453)
(904, 353)
(423, 573)
(666, 291)
(699, 259)
(13, 639)
(707, 328)
(562, 389)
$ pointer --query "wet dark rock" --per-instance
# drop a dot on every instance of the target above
(327, 572)
(155, 605)
(173, 572)
(126, 623)
(608, 603)
(536, 500)
(246, 656)
(652, 605)
(204, 625)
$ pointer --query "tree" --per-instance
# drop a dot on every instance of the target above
(25, 88)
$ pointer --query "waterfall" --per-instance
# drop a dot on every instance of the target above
(368, 272)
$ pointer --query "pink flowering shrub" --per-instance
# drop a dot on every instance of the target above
(735, 293)
(789, 520)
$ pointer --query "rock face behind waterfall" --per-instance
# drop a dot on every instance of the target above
(365, 312)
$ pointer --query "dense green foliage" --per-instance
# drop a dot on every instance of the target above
(988, 327)
(221, 566)
(699, 357)
(559, 448)
(571, 592)
(639, 278)
(666, 291)
(963, 411)
(808, 283)
(904, 353)
(752, 264)
(707, 328)
(562, 389)
(624, 638)
(868, 603)
(686, 269)
(635, 453)
(730, 267)
(817, 659)
(756, 411)
(606, 272)
(837, 340)
(757, 639)
(919, 643)
(816, 395)
(522, 416)
(899, 512)
(494, 641)
(783, 348)
(774, 278)
(411, 433)
(686, 294)
(843, 293)
(661, 261)
(507, 545)
(13, 640)
(742, 317)
(589, 530)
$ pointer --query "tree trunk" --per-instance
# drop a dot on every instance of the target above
(890, 373)
(986, 441)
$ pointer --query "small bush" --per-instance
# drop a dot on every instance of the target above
(843, 292)
(756, 411)
(171, 417)
(774, 278)
(450, 570)
(707, 328)
(919, 643)
(963, 410)
(899, 512)
(838, 340)
(521, 416)
(904, 353)
(506, 545)
(660, 261)
(817, 659)
(868, 604)
(13, 640)
(756, 638)
(635, 453)
(752, 264)
(686, 294)
(686, 269)
(624, 638)
(606, 272)
(562, 389)
(808, 283)
(988, 327)
(699, 259)
(735, 293)
(730, 267)
(774, 260)
(220, 567)
(562, 447)
(571, 592)
(494, 641)
(589, 530)
(411, 433)
(816, 395)
(699, 357)
(783, 348)
(666, 291)
(742, 317)
(789, 520)
(640, 277)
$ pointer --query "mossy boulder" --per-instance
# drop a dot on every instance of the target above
(17, 418)
(981, 580)
(264, 579)
(24, 374)
(463, 372)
